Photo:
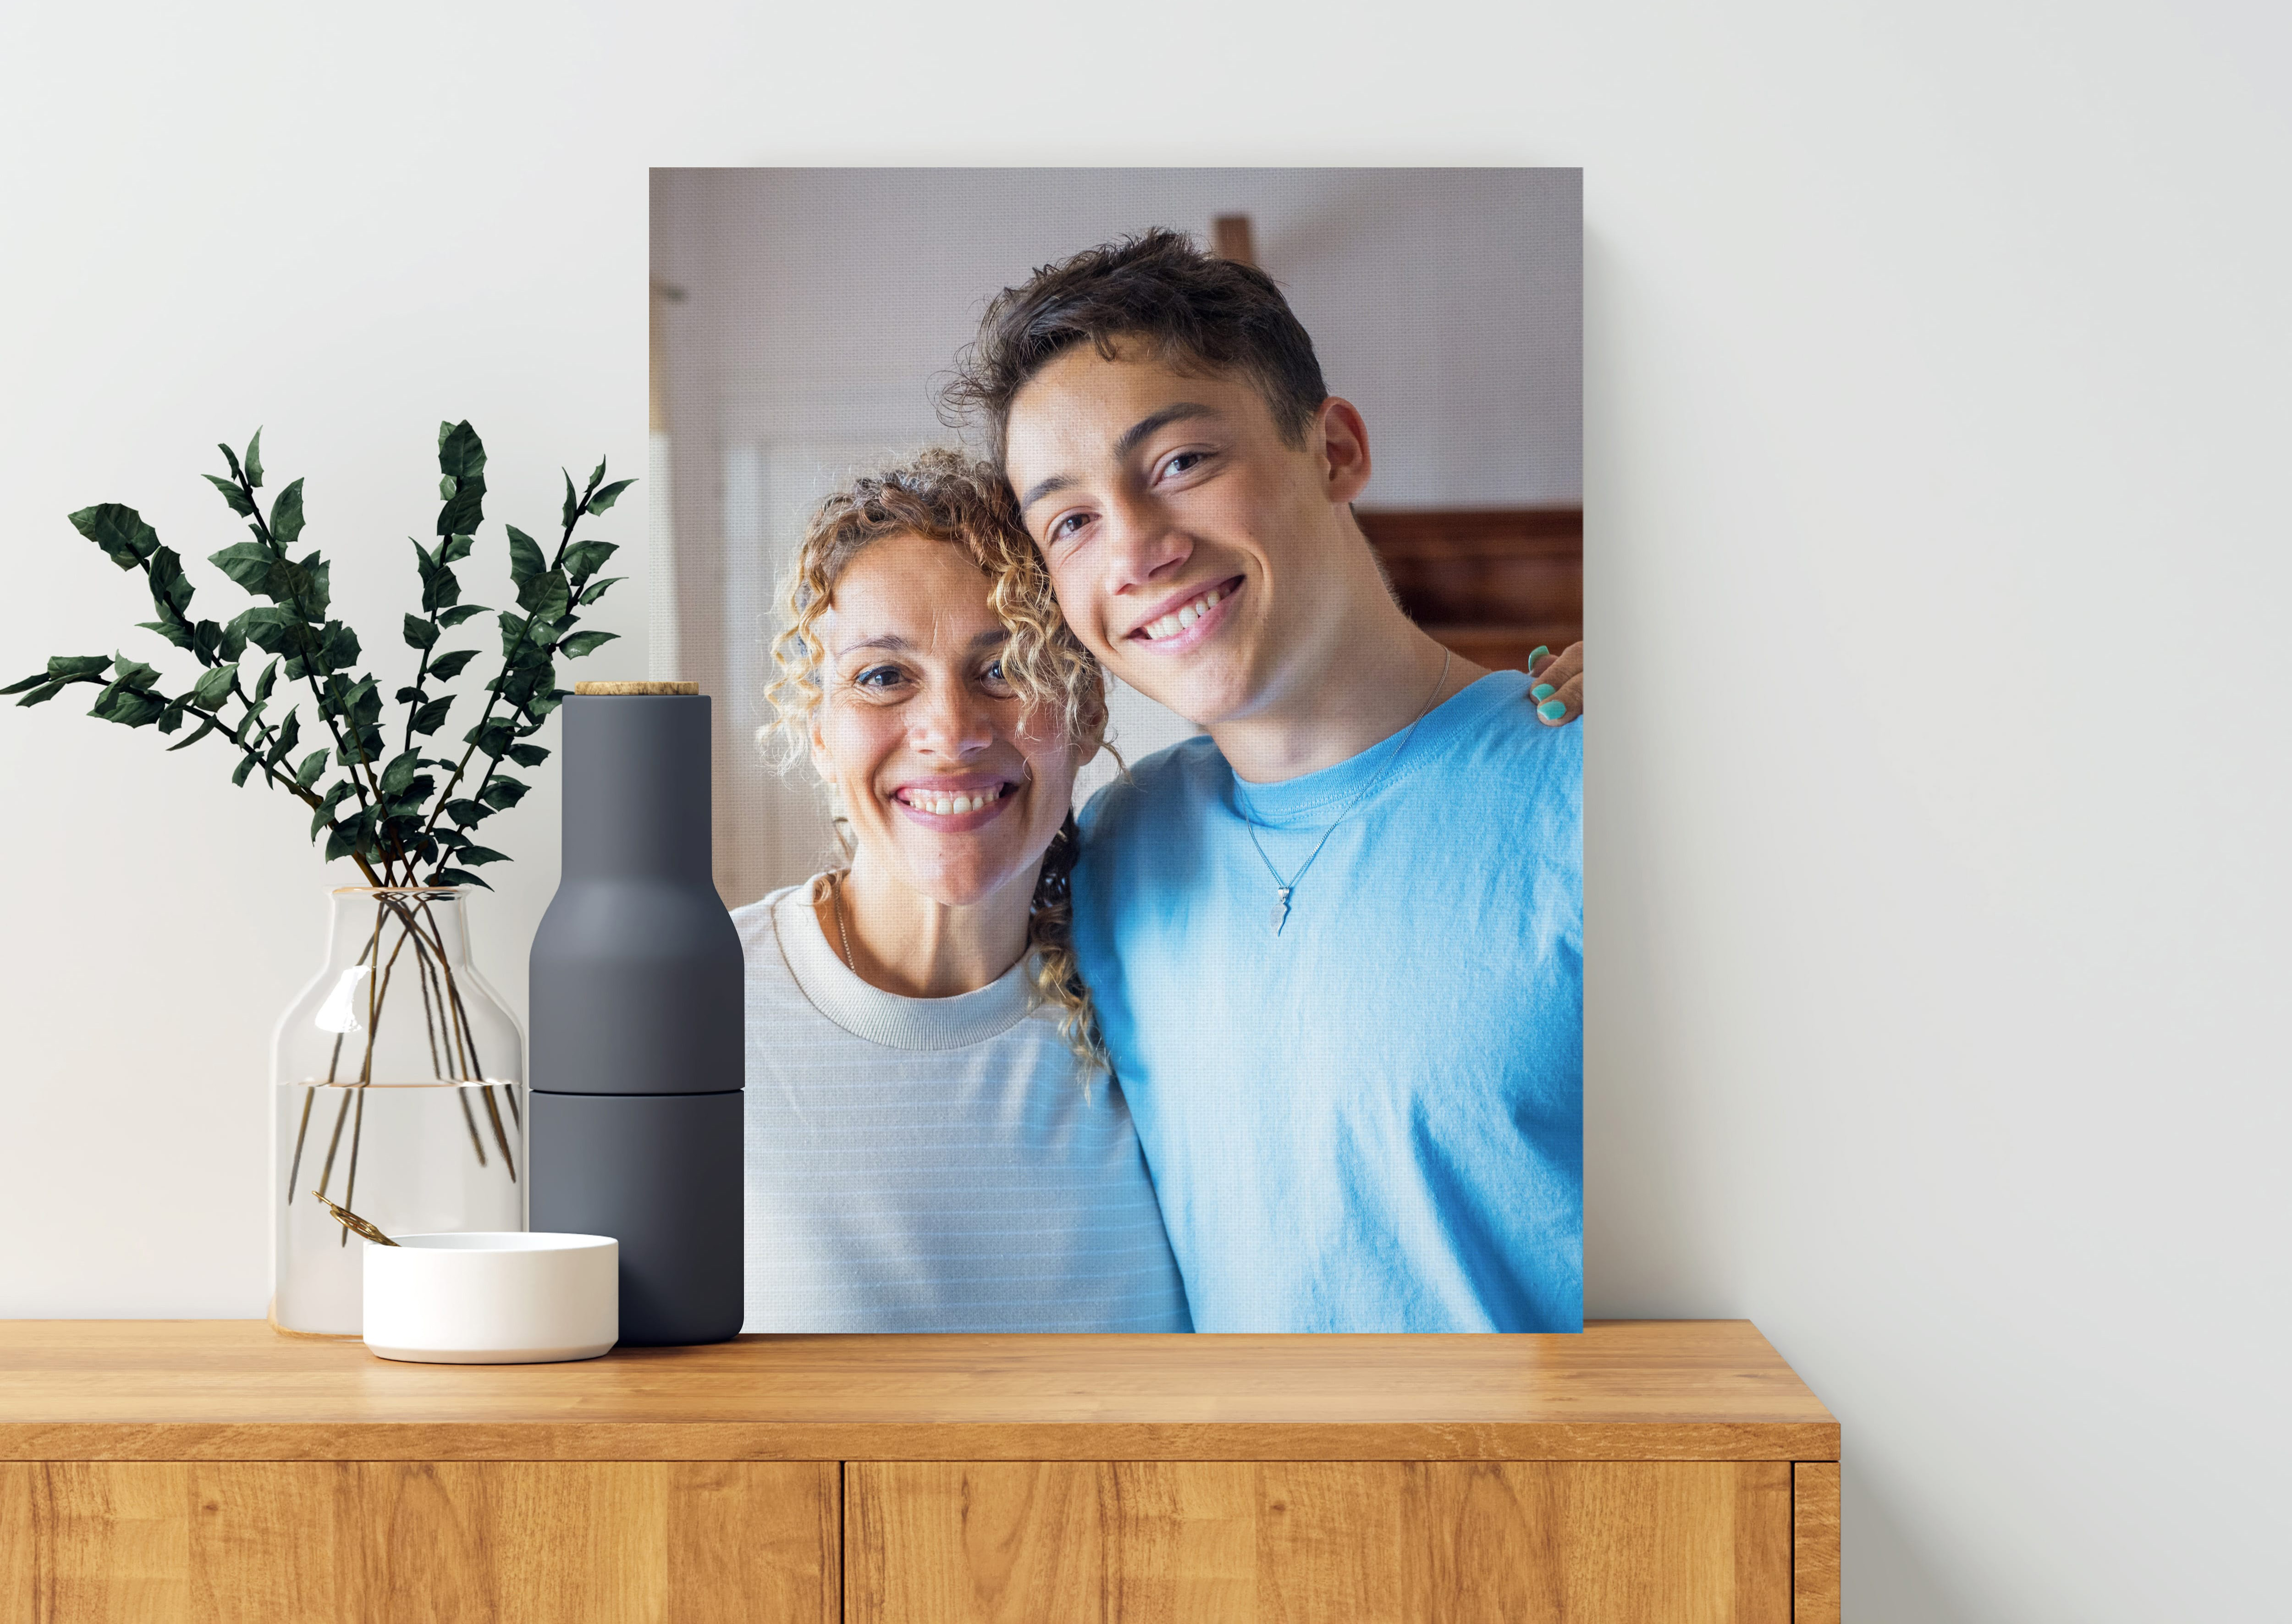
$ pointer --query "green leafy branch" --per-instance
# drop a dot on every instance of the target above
(383, 810)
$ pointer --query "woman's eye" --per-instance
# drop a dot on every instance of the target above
(1065, 525)
(877, 677)
(1182, 462)
(994, 674)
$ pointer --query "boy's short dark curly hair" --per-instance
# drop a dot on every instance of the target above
(1198, 312)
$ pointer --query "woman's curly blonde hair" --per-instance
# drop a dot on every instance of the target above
(942, 496)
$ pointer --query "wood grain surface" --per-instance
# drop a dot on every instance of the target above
(233, 1390)
(1814, 1539)
(1174, 1542)
(284, 1542)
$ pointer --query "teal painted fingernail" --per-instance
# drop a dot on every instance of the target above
(1551, 710)
(1542, 690)
(1538, 652)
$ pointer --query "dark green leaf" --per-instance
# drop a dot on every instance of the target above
(37, 679)
(213, 687)
(467, 813)
(596, 474)
(492, 738)
(585, 643)
(597, 588)
(171, 590)
(313, 764)
(363, 705)
(410, 696)
(62, 666)
(476, 855)
(41, 696)
(286, 516)
(231, 493)
(583, 559)
(265, 684)
(339, 845)
(172, 718)
(178, 635)
(205, 727)
(338, 646)
(528, 754)
(420, 634)
(503, 793)
(127, 673)
(461, 454)
(447, 667)
(290, 734)
(230, 457)
(313, 587)
(253, 460)
(247, 562)
(465, 509)
(456, 876)
(440, 587)
(542, 704)
(612, 494)
(526, 558)
(341, 791)
(547, 596)
(128, 706)
(239, 774)
(120, 531)
(572, 500)
(454, 616)
(431, 716)
(400, 772)
(274, 631)
(230, 640)
(453, 549)
(512, 635)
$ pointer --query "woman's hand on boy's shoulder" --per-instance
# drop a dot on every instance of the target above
(1557, 684)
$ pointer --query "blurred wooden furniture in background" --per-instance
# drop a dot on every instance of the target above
(213, 1470)
(1491, 583)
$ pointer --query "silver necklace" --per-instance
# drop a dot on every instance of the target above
(835, 897)
(1279, 917)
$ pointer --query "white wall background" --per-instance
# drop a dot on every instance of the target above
(1936, 430)
(810, 317)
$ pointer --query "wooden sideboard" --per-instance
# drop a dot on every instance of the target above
(169, 1470)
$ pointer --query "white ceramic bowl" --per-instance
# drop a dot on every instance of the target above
(493, 1297)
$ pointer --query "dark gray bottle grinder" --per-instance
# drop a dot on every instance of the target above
(636, 1005)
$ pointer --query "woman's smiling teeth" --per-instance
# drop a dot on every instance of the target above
(951, 805)
(1170, 626)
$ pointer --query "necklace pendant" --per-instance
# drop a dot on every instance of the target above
(1280, 916)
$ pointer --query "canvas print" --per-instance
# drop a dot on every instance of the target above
(1142, 614)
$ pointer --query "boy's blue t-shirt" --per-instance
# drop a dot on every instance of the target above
(1372, 1122)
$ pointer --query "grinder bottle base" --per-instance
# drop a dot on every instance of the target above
(661, 1174)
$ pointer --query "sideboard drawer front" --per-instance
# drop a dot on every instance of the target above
(1013, 1542)
(555, 1542)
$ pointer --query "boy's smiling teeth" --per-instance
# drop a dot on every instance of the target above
(951, 805)
(1170, 626)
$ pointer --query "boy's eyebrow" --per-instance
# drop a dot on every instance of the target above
(1123, 445)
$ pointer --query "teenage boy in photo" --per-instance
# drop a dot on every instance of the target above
(1336, 946)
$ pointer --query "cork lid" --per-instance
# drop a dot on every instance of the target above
(628, 687)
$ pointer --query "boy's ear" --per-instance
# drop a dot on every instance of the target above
(1341, 443)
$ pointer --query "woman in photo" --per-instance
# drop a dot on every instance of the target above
(933, 1140)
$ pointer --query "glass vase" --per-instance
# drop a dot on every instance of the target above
(398, 1083)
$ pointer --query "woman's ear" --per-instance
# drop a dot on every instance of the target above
(821, 762)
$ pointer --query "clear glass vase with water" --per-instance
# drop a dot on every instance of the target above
(397, 1094)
